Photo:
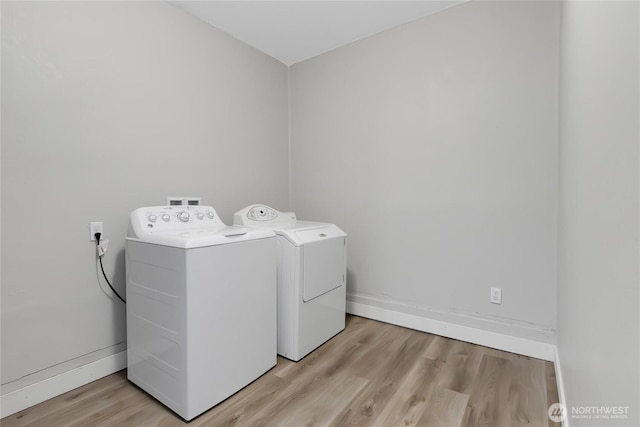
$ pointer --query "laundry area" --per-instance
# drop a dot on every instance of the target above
(320, 213)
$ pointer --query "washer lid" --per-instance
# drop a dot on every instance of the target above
(186, 227)
(317, 232)
(204, 237)
(285, 224)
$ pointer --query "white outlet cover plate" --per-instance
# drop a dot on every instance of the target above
(496, 296)
(94, 227)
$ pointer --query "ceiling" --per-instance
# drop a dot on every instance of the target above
(292, 31)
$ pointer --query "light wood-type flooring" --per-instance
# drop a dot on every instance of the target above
(371, 374)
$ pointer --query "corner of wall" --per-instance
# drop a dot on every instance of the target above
(289, 160)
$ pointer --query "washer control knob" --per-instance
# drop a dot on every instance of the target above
(210, 214)
(200, 215)
(152, 218)
(183, 216)
(166, 217)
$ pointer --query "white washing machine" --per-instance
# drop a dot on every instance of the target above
(201, 306)
(312, 273)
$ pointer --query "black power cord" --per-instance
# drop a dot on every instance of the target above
(97, 236)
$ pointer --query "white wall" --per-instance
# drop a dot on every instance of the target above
(598, 291)
(106, 107)
(434, 145)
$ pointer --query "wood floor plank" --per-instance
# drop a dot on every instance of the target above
(504, 354)
(307, 373)
(446, 409)
(135, 412)
(320, 407)
(484, 402)
(362, 337)
(407, 405)
(243, 406)
(386, 376)
(461, 364)
(307, 378)
(327, 359)
(371, 374)
(104, 409)
(509, 393)
(524, 382)
(438, 348)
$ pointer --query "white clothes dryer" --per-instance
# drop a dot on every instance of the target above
(201, 306)
(312, 273)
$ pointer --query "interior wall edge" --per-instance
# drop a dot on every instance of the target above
(474, 335)
(289, 155)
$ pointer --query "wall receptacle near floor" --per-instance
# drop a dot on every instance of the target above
(496, 296)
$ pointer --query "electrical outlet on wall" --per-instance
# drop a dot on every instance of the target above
(94, 227)
(496, 296)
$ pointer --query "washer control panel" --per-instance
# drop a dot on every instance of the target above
(262, 215)
(173, 218)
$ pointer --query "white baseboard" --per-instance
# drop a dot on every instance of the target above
(560, 385)
(25, 397)
(531, 348)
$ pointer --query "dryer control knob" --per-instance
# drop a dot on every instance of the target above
(210, 214)
(200, 215)
(152, 218)
(166, 217)
(183, 216)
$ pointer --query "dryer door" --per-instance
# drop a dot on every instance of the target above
(324, 266)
